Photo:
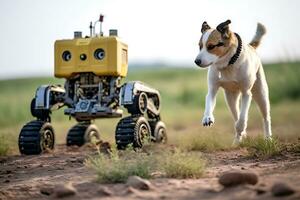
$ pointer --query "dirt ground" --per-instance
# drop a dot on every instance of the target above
(22, 177)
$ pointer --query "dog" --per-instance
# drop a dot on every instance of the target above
(235, 66)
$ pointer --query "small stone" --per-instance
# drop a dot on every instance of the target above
(131, 190)
(105, 147)
(282, 189)
(104, 191)
(234, 178)
(66, 190)
(260, 190)
(47, 190)
(139, 183)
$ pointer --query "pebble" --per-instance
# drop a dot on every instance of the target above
(104, 191)
(234, 178)
(47, 190)
(282, 189)
(66, 190)
(139, 183)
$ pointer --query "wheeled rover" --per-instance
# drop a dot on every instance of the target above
(93, 67)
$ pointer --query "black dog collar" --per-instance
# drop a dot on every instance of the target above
(234, 58)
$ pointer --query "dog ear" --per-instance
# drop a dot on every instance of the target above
(205, 27)
(223, 28)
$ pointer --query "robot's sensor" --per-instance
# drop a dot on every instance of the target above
(83, 57)
(99, 54)
(66, 56)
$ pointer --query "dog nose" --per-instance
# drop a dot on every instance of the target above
(198, 62)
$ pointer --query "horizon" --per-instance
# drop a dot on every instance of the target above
(29, 29)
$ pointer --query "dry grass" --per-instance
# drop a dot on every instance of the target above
(262, 148)
(118, 166)
(4, 146)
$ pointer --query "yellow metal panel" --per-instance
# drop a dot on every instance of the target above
(114, 63)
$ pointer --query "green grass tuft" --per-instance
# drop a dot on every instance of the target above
(118, 166)
(183, 165)
(115, 169)
(262, 148)
(4, 146)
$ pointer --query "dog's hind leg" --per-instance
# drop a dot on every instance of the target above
(260, 94)
(241, 123)
(232, 100)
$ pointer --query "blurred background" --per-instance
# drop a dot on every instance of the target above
(162, 38)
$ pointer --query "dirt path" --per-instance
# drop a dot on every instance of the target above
(22, 177)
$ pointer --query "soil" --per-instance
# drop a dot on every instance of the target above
(23, 177)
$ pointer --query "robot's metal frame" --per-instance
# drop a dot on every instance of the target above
(91, 92)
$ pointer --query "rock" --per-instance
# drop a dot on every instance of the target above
(139, 183)
(282, 189)
(233, 178)
(104, 191)
(66, 190)
(131, 190)
(105, 147)
(47, 190)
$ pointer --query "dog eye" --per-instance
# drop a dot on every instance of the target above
(210, 47)
(220, 44)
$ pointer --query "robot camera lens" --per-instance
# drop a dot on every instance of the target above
(99, 54)
(83, 57)
(66, 56)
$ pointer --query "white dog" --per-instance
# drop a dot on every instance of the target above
(236, 67)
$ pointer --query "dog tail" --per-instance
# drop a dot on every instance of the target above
(260, 32)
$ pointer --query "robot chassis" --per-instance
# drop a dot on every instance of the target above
(89, 96)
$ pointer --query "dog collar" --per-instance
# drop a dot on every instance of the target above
(234, 58)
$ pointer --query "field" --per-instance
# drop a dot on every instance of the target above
(183, 93)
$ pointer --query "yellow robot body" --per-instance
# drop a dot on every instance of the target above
(103, 56)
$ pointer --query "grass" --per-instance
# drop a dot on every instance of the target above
(183, 93)
(179, 164)
(118, 166)
(113, 168)
(4, 146)
(262, 148)
(205, 142)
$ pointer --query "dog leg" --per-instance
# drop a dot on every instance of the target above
(232, 100)
(241, 124)
(261, 97)
(210, 103)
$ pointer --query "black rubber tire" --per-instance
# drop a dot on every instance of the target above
(81, 133)
(139, 106)
(132, 130)
(160, 132)
(35, 137)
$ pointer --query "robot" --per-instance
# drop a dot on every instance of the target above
(93, 67)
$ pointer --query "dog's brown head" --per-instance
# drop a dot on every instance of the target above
(214, 43)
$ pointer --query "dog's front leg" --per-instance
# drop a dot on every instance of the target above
(210, 103)
(241, 123)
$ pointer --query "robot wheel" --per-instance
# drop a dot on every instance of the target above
(83, 133)
(133, 130)
(159, 132)
(36, 137)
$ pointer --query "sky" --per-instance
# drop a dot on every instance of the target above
(156, 31)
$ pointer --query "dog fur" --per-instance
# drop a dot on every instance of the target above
(245, 78)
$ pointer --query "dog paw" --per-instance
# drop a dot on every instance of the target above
(239, 138)
(208, 120)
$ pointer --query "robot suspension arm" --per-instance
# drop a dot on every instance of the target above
(47, 98)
